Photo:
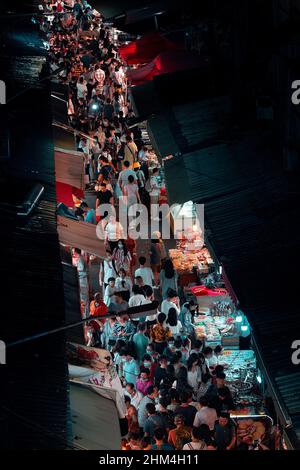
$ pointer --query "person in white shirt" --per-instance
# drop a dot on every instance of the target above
(107, 270)
(124, 284)
(208, 354)
(145, 272)
(137, 297)
(173, 323)
(154, 194)
(81, 88)
(134, 395)
(171, 301)
(109, 292)
(205, 415)
(113, 232)
(149, 297)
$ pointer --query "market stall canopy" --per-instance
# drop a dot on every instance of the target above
(92, 414)
(69, 167)
(65, 194)
(145, 49)
(81, 235)
(166, 62)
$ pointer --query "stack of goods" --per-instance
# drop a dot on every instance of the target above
(185, 258)
(183, 262)
(250, 429)
(205, 328)
(223, 308)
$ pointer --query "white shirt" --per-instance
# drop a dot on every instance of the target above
(195, 446)
(128, 284)
(206, 416)
(109, 271)
(166, 305)
(136, 300)
(175, 330)
(81, 90)
(146, 274)
(108, 298)
(135, 401)
(150, 317)
(114, 232)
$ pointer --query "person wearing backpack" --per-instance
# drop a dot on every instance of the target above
(153, 422)
(196, 442)
(141, 180)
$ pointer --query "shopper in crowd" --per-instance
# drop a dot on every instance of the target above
(124, 284)
(98, 307)
(161, 371)
(185, 409)
(135, 395)
(194, 373)
(107, 270)
(113, 233)
(155, 259)
(131, 415)
(186, 316)
(131, 368)
(145, 272)
(225, 433)
(160, 334)
(172, 301)
(181, 435)
(168, 278)
(196, 443)
(152, 393)
(160, 444)
(140, 341)
(122, 257)
(110, 292)
(144, 381)
(118, 305)
(173, 323)
(154, 421)
(205, 415)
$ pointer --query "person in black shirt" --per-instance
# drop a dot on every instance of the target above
(185, 409)
(219, 396)
(161, 371)
(225, 433)
(104, 196)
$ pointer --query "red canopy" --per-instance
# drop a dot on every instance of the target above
(166, 62)
(64, 193)
(145, 49)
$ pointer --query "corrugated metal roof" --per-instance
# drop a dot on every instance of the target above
(188, 127)
(251, 207)
(34, 387)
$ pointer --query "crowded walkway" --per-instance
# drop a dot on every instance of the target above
(174, 384)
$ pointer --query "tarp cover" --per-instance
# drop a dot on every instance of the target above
(69, 167)
(65, 192)
(166, 62)
(80, 235)
(145, 49)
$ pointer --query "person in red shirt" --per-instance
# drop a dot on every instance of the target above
(98, 307)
